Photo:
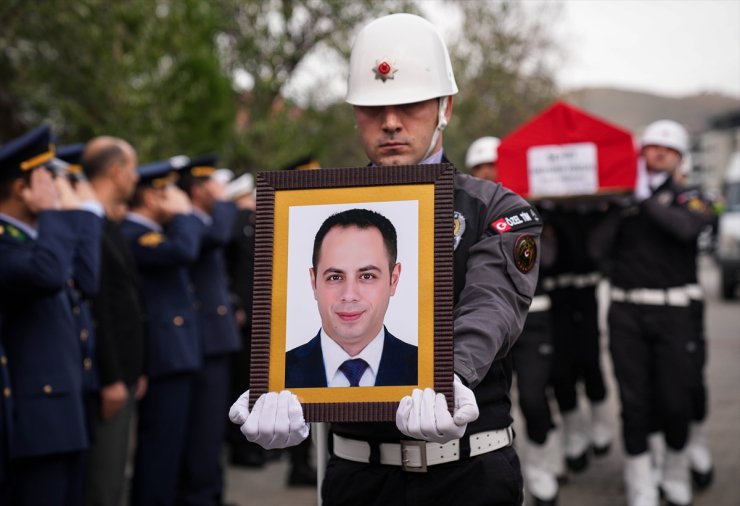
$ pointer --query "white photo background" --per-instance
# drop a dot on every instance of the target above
(303, 320)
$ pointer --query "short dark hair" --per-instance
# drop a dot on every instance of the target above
(362, 219)
(98, 163)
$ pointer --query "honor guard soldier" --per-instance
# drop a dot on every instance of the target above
(41, 225)
(651, 245)
(401, 85)
(110, 166)
(165, 237)
(481, 159)
(576, 335)
(202, 477)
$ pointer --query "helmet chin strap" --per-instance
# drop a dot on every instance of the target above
(441, 124)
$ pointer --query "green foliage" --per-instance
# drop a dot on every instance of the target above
(146, 71)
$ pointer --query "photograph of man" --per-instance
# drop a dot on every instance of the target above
(353, 277)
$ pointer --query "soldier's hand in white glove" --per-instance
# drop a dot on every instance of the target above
(276, 419)
(424, 414)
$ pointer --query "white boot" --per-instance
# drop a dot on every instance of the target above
(676, 483)
(638, 482)
(700, 458)
(554, 455)
(601, 428)
(577, 439)
(656, 444)
(541, 482)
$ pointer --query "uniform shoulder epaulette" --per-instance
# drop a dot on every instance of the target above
(151, 239)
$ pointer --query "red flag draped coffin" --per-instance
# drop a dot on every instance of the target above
(566, 152)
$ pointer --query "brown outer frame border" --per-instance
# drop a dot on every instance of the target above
(268, 183)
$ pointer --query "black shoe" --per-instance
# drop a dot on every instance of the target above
(577, 464)
(302, 476)
(702, 480)
(600, 451)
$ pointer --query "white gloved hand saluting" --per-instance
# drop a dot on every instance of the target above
(276, 419)
(424, 414)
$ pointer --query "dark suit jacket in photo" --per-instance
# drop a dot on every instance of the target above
(304, 365)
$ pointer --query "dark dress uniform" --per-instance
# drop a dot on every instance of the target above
(651, 247)
(203, 476)
(495, 273)
(85, 277)
(575, 310)
(174, 349)
(43, 350)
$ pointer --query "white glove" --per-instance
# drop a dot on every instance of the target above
(424, 414)
(276, 420)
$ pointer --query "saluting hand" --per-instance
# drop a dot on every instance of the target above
(276, 419)
(424, 414)
(41, 194)
(68, 198)
(175, 201)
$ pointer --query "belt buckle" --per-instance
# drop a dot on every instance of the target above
(422, 445)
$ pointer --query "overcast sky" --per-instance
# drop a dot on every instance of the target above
(667, 46)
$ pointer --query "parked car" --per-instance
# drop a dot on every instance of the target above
(728, 230)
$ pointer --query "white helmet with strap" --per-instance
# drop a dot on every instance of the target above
(401, 59)
(483, 150)
(666, 133)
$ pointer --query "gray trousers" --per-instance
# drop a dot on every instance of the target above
(106, 466)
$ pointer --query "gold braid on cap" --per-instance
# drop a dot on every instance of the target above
(37, 160)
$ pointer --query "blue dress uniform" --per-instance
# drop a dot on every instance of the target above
(174, 350)
(49, 433)
(84, 281)
(202, 479)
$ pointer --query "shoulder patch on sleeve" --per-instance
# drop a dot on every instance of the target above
(151, 239)
(525, 253)
(522, 217)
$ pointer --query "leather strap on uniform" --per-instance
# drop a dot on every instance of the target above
(374, 452)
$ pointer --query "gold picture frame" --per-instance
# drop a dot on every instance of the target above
(291, 205)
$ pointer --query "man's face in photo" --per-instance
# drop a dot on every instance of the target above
(352, 284)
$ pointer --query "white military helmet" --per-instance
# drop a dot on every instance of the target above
(399, 59)
(483, 150)
(666, 133)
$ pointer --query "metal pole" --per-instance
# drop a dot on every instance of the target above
(321, 443)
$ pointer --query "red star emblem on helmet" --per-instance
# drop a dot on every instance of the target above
(384, 69)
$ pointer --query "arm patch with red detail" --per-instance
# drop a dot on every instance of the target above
(517, 219)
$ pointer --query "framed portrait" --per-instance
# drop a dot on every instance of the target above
(353, 288)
